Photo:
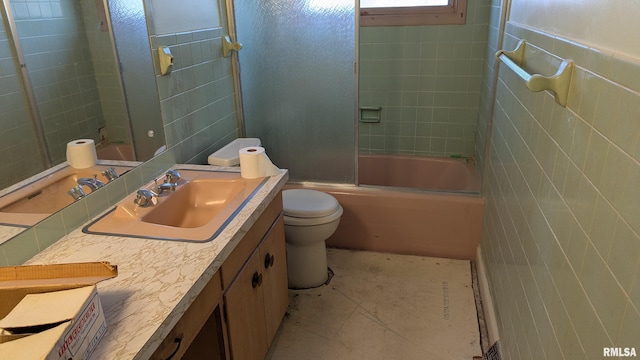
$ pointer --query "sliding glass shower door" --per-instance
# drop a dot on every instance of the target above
(298, 84)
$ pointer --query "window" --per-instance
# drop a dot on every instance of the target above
(412, 12)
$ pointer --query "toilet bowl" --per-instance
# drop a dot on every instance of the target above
(310, 217)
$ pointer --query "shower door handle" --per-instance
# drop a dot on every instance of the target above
(228, 46)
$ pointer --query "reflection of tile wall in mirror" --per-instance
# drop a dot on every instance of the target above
(74, 81)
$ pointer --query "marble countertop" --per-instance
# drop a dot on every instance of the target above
(157, 279)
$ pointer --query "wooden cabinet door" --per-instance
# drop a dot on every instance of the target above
(274, 265)
(245, 312)
(201, 313)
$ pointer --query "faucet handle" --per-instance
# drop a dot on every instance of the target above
(145, 197)
(164, 188)
(77, 193)
(172, 176)
(110, 174)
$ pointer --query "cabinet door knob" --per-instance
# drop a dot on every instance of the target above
(256, 280)
(267, 261)
(178, 341)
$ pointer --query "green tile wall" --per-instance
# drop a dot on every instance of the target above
(427, 80)
(17, 135)
(561, 231)
(112, 102)
(73, 100)
(52, 33)
(488, 84)
(197, 97)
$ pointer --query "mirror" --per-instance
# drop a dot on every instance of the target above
(62, 78)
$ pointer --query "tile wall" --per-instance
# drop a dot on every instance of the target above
(66, 91)
(561, 231)
(17, 135)
(73, 100)
(427, 80)
(107, 74)
(197, 98)
(489, 80)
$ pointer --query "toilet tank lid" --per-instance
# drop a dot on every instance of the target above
(229, 155)
(304, 203)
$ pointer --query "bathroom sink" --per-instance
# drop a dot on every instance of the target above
(37, 200)
(201, 206)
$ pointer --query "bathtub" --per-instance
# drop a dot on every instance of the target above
(403, 221)
(418, 172)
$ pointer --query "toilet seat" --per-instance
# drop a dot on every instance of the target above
(309, 207)
(296, 221)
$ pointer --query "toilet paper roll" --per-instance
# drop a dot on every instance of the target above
(254, 163)
(81, 153)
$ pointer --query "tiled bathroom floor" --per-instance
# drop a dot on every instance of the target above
(383, 306)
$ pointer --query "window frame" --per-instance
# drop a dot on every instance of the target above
(453, 14)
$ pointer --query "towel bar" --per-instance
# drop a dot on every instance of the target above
(558, 83)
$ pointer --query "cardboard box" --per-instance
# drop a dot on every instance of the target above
(51, 311)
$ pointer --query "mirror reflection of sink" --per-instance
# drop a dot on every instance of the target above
(203, 203)
(35, 201)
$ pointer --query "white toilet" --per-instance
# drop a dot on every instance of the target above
(310, 217)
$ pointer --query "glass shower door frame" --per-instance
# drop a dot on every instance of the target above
(235, 66)
(309, 103)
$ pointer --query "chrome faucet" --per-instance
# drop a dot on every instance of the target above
(92, 184)
(77, 193)
(170, 184)
(110, 174)
(172, 177)
(167, 187)
(144, 198)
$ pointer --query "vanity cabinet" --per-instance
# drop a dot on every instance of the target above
(198, 334)
(256, 298)
(237, 314)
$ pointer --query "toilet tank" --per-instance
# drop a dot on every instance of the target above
(229, 155)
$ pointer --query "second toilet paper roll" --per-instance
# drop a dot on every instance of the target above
(254, 163)
(81, 153)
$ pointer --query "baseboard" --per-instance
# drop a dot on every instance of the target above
(487, 301)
